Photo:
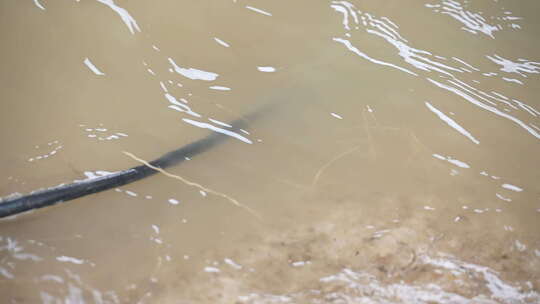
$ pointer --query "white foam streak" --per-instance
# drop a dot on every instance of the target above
(424, 61)
(204, 125)
(353, 49)
(512, 187)
(173, 201)
(92, 67)
(96, 174)
(498, 288)
(343, 10)
(232, 263)
(452, 161)
(502, 197)
(192, 73)
(124, 14)
(36, 2)
(473, 91)
(347, 9)
(260, 11)
(486, 107)
(452, 123)
(465, 64)
(512, 80)
(527, 108)
(220, 123)
(223, 43)
(4, 272)
(178, 106)
(516, 67)
(220, 88)
(387, 30)
(411, 56)
(73, 260)
(474, 22)
(391, 30)
(336, 115)
(211, 269)
(52, 278)
(266, 69)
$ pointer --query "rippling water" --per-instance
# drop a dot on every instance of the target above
(395, 157)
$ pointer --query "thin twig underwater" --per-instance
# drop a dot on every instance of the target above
(47, 197)
(194, 184)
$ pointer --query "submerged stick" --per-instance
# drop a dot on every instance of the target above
(193, 184)
(42, 198)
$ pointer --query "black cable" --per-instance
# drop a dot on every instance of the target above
(47, 197)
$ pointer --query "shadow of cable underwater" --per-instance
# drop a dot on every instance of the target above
(13, 205)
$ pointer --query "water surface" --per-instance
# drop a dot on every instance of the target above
(396, 159)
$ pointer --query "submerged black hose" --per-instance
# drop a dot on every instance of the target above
(47, 197)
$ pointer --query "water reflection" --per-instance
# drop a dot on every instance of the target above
(124, 15)
(476, 22)
(422, 60)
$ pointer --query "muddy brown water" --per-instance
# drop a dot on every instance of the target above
(399, 162)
